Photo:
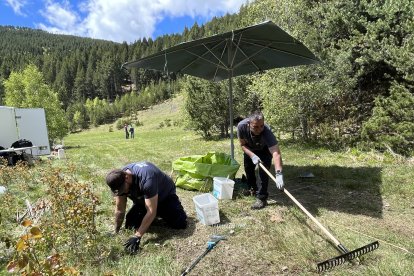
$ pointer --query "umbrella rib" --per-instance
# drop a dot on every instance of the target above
(221, 58)
(218, 59)
(247, 57)
(279, 50)
(265, 41)
(237, 46)
(201, 57)
(266, 47)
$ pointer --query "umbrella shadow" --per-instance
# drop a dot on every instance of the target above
(74, 147)
(348, 190)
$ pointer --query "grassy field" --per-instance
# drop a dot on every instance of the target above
(361, 197)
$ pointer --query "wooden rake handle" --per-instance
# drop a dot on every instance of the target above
(334, 240)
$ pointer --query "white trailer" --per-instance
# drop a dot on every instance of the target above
(24, 123)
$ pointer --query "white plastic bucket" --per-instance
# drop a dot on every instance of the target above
(207, 209)
(223, 188)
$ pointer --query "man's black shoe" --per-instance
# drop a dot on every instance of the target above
(259, 204)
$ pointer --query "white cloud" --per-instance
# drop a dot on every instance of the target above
(17, 5)
(205, 8)
(126, 20)
(60, 16)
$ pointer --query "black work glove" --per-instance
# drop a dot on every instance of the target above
(132, 244)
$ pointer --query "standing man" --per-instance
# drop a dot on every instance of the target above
(126, 131)
(152, 193)
(259, 144)
(131, 130)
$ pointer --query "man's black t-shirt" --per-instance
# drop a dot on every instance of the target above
(148, 181)
(266, 139)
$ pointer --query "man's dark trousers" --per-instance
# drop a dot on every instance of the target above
(170, 210)
(260, 187)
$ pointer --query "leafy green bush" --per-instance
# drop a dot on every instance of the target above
(392, 122)
(207, 104)
(167, 122)
(120, 123)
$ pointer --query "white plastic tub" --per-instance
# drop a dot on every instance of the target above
(223, 188)
(207, 209)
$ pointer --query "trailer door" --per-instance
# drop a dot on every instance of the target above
(8, 127)
(31, 124)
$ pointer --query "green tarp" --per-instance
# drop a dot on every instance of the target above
(196, 172)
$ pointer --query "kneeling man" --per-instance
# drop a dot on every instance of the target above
(152, 193)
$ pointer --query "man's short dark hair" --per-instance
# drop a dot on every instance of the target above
(115, 179)
(256, 116)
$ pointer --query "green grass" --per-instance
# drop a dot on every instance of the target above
(359, 196)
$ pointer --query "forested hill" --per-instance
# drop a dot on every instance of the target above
(80, 68)
(39, 42)
(77, 68)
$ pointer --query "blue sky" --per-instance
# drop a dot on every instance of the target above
(115, 20)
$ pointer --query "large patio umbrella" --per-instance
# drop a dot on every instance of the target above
(252, 49)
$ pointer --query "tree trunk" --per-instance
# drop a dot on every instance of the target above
(304, 127)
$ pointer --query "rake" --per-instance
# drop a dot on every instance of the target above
(214, 239)
(346, 254)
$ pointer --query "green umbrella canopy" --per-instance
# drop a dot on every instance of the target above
(252, 49)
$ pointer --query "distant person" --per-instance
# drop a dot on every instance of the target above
(152, 193)
(126, 131)
(131, 130)
(259, 144)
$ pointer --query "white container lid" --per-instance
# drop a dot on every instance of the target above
(222, 180)
(205, 200)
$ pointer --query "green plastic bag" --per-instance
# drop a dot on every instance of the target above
(196, 172)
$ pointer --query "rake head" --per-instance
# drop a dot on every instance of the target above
(214, 239)
(328, 264)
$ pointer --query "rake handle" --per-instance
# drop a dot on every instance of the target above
(193, 264)
(337, 243)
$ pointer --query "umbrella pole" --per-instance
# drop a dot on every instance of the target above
(231, 112)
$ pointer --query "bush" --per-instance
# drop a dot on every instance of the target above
(392, 122)
(120, 123)
(167, 122)
(62, 225)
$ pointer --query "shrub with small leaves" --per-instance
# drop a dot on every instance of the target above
(70, 225)
(67, 217)
(28, 260)
(120, 123)
(392, 122)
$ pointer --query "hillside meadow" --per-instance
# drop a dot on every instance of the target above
(359, 196)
